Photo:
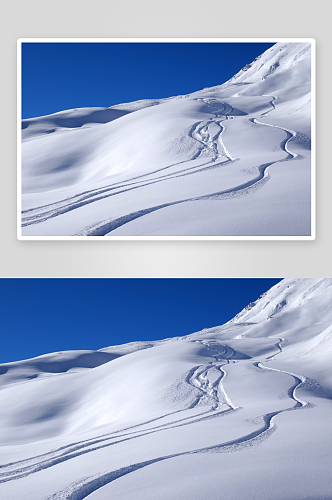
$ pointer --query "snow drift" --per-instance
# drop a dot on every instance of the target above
(241, 410)
(226, 161)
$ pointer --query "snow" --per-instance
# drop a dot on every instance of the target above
(241, 410)
(227, 161)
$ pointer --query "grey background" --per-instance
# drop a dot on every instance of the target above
(159, 18)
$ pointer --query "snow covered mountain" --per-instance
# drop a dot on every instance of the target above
(226, 161)
(240, 411)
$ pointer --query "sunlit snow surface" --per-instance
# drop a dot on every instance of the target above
(231, 160)
(237, 411)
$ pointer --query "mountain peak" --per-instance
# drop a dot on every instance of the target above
(284, 297)
(279, 58)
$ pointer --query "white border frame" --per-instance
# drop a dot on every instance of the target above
(312, 41)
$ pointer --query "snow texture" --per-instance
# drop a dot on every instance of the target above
(227, 161)
(241, 410)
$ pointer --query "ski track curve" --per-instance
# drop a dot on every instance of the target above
(274, 98)
(284, 144)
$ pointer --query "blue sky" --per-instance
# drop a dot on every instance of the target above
(59, 76)
(39, 316)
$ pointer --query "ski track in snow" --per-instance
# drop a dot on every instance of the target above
(207, 380)
(208, 137)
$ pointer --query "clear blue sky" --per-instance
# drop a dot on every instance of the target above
(40, 316)
(59, 76)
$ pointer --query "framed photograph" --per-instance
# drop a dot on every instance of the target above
(161, 388)
(209, 139)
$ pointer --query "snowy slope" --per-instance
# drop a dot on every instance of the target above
(229, 161)
(240, 411)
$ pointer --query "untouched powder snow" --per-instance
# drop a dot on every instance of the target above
(241, 410)
(227, 161)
